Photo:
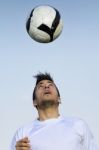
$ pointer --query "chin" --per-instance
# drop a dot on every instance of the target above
(49, 99)
(47, 104)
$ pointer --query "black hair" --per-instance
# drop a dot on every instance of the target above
(43, 76)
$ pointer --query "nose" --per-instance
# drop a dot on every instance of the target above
(46, 86)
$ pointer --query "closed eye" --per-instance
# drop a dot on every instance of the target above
(41, 85)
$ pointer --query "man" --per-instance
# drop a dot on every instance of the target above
(51, 131)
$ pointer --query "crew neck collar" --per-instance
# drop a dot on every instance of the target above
(50, 120)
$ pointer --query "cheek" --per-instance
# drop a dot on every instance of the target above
(38, 94)
(55, 92)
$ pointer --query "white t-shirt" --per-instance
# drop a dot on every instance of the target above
(57, 134)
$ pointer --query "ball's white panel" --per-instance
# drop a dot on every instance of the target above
(36, 20)
(43, 10)
(39, 35)
(43, 14)
(58, 30)
(49, 16)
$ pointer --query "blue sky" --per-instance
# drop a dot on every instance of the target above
(72, 60)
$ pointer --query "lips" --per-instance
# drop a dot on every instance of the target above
(47, 92)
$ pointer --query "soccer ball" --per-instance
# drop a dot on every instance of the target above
(44, 24)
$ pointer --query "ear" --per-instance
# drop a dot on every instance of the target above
(34, 102)
(59, 100)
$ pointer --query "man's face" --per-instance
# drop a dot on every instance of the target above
(46, 92)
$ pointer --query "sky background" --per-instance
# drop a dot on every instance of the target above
(72, 60)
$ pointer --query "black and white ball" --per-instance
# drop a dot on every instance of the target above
(44, 24)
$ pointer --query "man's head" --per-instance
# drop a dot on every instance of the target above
(45, 91)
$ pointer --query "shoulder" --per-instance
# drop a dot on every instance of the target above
(74, 120)
(24, 130)
(78, 125)
(20, 133)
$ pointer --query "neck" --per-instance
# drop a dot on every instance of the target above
(48, 113)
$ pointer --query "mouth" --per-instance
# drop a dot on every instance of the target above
(47, 92)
